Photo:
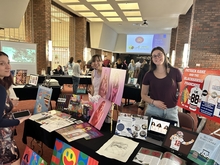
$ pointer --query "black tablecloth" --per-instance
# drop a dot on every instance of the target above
(87, 146)
(65, 79)
(30, 93)
(131, 92)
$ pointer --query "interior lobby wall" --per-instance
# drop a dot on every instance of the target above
(120, 43)
(102, 36)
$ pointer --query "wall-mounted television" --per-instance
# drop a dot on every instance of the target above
(145, 43)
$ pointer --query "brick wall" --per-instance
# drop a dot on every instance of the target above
(182, 36)
(173, 40)
(41, 30)
(205, 38)
(80, 37)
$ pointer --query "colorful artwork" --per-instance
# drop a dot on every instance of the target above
(20, 78)
(199, 92)
(100, 113)
(104, 89)
(43, 99)
(117, 81)
(64, 154)
(63, 101)
(30, 157)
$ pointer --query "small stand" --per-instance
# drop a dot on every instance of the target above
(112, 112)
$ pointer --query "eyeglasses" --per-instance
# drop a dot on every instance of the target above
(157, 55)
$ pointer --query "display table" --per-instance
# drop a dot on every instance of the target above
(131, 93)
(89, 147)
(30, 93)
(66, 79)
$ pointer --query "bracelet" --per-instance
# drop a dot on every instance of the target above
(152, 102)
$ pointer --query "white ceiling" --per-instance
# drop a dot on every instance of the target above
(161, 15)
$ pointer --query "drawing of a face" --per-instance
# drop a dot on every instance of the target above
(115, 86)
(69, 157)
(103, 86)
(98, 114)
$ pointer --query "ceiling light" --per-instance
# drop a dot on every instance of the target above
(95, 19)
(134, 18)
(109, 14)
(88, 14)
(128, 6)
(132, 13)
(102, 6)
(69, 1)
(114, 19)
(78, 7)
(96, 0)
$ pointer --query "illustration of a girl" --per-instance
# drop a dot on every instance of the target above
(98, 114)
(115, 86)
(103, 89)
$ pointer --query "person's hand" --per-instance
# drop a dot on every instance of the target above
(159, 104)
(24, 118)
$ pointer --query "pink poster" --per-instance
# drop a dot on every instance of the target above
(117, 81)
(101, 110)
(104, 89)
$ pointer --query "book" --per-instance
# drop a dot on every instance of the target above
(134, 126)
(153, 157)
(77, 131)
(43, 99)
(20, 78)
(205, 150)
(63, 101)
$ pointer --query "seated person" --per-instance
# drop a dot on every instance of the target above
(58, 70)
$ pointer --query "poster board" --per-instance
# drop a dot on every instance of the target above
(200, 92)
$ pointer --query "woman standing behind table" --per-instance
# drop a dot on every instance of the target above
(69, 66)
(131, 68)
(9, 153)
(96, 74)
(163, 82)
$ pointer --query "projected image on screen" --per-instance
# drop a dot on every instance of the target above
(145, 43)
(21, 55)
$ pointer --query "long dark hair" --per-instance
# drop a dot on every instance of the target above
(166, 61)
(71, 60)
(6, 81)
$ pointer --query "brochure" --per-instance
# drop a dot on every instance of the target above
(132, 126)
(153, 157)
(205, 150)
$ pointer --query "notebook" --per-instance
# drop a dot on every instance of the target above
(157, 129)
(179, 140)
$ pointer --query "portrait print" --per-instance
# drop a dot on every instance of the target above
(117, 81)
(104, 91)
(100, 113)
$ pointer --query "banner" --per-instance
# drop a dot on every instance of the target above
(200, 92)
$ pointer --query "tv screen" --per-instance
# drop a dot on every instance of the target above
(145, 43)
